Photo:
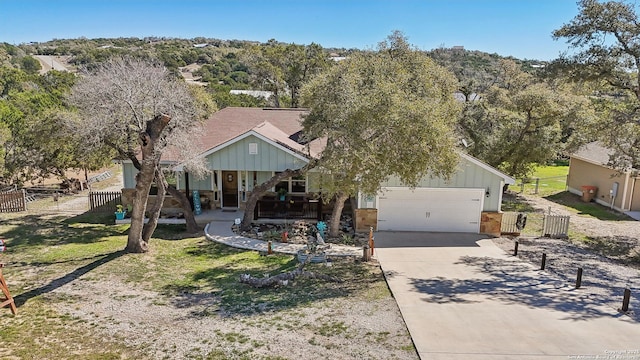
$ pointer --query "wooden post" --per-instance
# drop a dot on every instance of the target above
(544, 261)
(371, 241)
(366, 254)
(515, 248)
(625, 300)
(8, 300)
(537, 185)
(269, 249)
(579, 279)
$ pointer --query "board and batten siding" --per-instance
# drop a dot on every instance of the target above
(236, 156)
(206, 183)
(469, 176)
(129, 175)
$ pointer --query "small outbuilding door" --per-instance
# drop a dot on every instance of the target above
(430, 209)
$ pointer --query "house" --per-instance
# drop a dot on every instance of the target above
(244, 147)
(618, 189)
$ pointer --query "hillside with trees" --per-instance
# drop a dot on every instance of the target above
(515, 113)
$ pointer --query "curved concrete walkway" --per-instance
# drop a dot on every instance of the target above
(220, 231)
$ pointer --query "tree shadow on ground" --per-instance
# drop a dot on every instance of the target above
(512, 282)
(35, 230)
(217, 290)
(603, 278)
(587, 208)
(516, 203)
(54, 284)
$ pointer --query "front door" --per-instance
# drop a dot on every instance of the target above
(230, 189)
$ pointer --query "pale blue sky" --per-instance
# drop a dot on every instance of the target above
(519, 28)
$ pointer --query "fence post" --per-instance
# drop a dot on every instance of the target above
(371, 241)
(515, 249)
(625, 300)
(544, 261)
(579, 279)
(366, 254)
(537, 185)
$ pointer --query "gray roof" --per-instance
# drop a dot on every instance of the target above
(594, 152)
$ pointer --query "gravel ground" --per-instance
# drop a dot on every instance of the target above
(368, 326)
(604, 277)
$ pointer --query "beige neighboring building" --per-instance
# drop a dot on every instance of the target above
(619, 190)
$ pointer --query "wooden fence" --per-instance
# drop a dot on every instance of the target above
(534, 224)
(555, 226)
(104, 201)
(13, 201)
(508, 226)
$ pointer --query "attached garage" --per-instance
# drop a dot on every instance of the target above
(469, 201)
(430, 209)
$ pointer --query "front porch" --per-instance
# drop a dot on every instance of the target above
(223, 215)
(290, 207)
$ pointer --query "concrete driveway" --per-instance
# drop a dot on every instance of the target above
(464, 298)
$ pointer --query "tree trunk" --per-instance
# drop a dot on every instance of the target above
(334, 221)
(144, 178)
(154, 213)
(189, 217)
(291, 275)
(262, 189)
(258, 191)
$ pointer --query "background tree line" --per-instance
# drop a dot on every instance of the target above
(514, 113)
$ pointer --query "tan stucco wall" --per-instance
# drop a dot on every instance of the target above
(490, 223)
(635, 200)
(585, 173)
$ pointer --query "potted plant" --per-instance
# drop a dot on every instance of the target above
(120, 212)
(282, 193)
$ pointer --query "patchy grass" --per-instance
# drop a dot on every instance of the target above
(587, 209)
(46, 253)
(515, 203)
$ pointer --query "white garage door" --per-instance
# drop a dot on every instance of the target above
(428, 209)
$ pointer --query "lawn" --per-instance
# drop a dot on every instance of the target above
(76, 292)
(546, 180)
(589, 209)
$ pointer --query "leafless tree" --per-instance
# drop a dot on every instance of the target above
(140, 110)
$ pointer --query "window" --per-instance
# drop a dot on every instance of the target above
(299, 184)
(253, 148)
(295, 185)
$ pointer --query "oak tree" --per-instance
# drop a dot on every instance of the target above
(605, 41)
(140, 110)
(389, 112)
(521, 121)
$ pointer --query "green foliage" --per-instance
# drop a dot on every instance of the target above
(384, 113)
(606, 55)
(34, 140)
(520, 121)
(278, 68)
(30, 64)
